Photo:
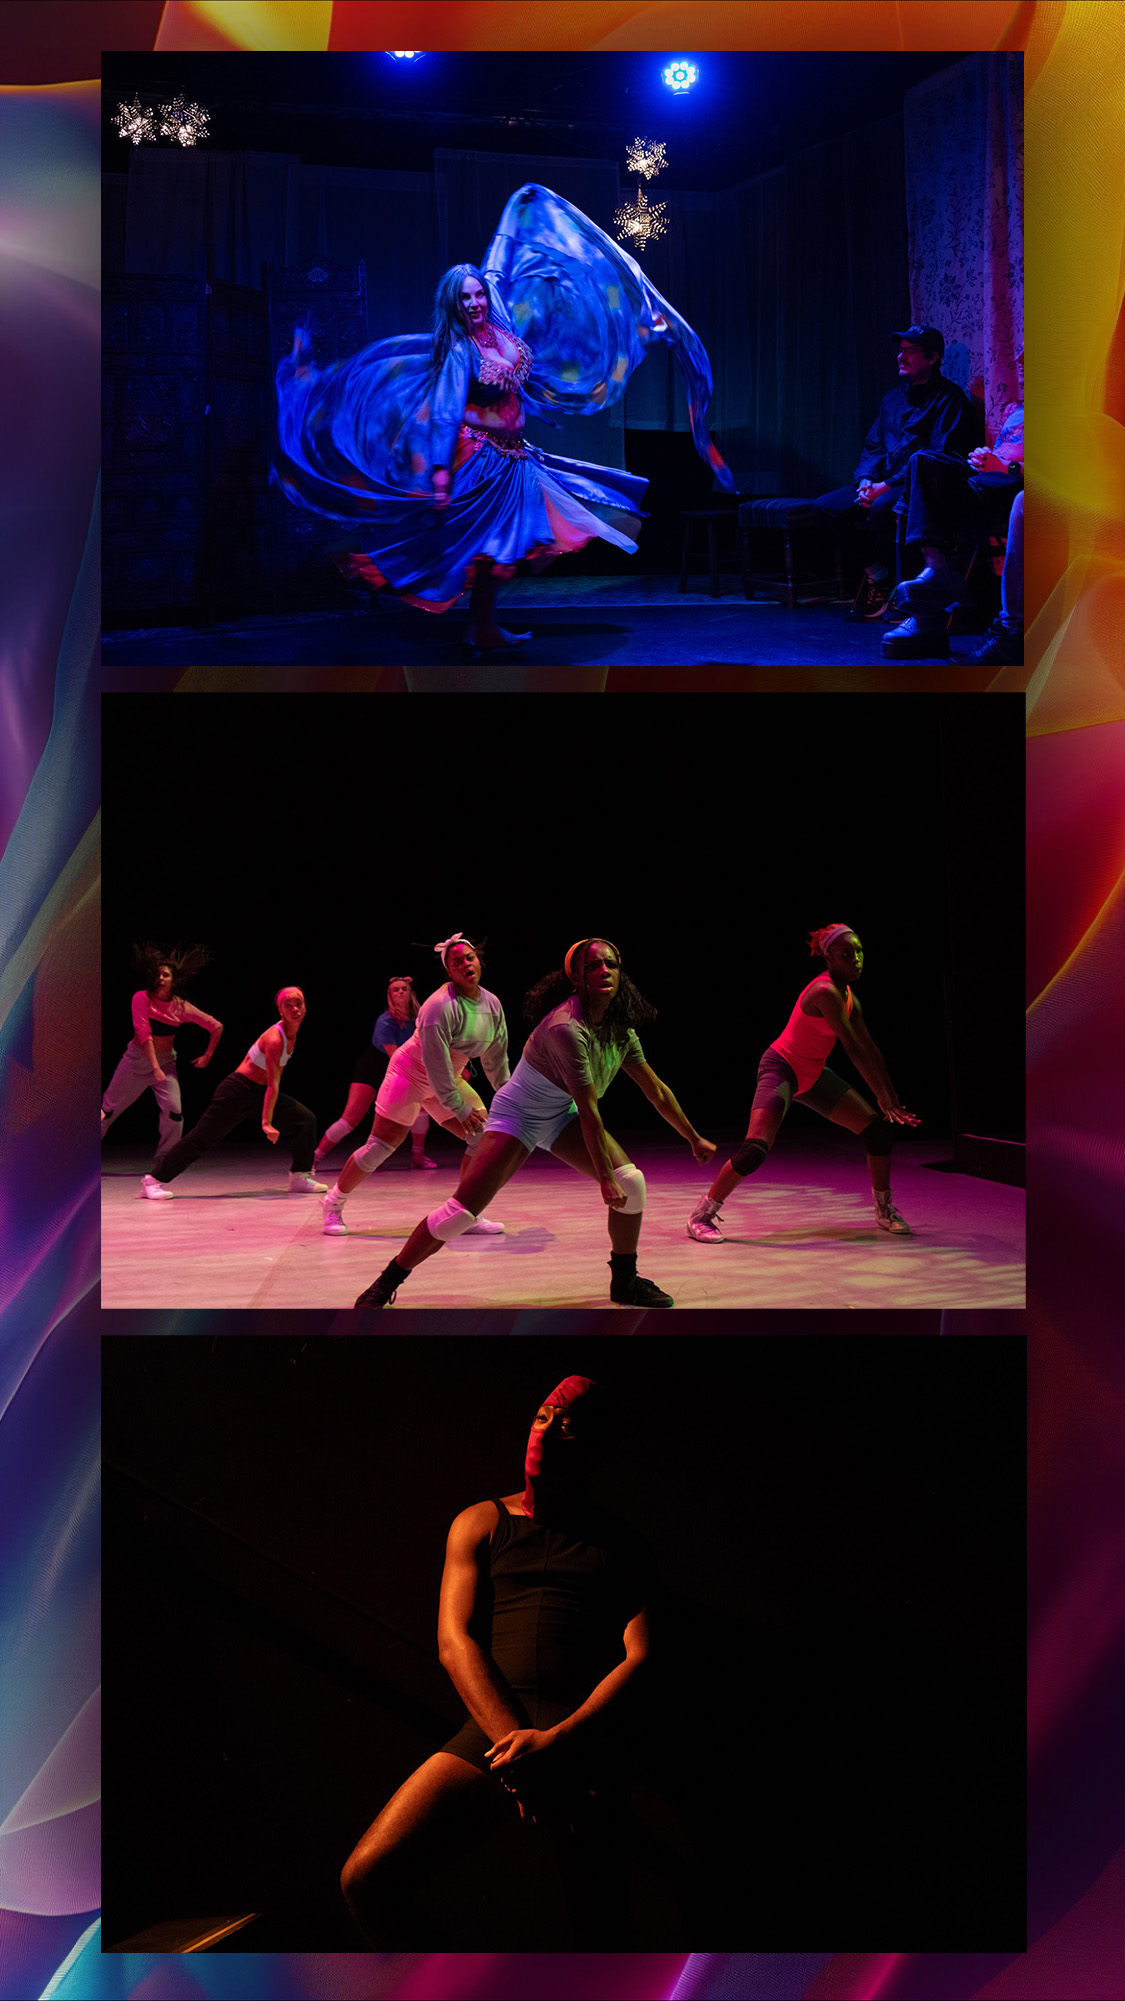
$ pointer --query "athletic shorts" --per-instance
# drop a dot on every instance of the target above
(531, 1109)
(405, 1091)
(369, 1066)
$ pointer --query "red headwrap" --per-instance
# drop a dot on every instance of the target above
(567, 1392)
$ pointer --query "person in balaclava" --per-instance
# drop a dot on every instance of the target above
(542, 1628)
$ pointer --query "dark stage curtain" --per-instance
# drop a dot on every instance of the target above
(792, 280)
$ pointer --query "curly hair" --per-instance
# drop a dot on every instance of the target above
(185, 960)
(816, 949)
(448, 323)
(626, 1010)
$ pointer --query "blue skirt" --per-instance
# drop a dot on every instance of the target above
(507, 508)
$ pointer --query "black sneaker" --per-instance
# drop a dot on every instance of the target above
(1001, 649)
(637, 1292)
(382, 1293)
(871, 598)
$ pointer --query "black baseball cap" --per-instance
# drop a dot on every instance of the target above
(925, 337)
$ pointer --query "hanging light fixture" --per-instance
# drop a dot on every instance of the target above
(134, 122)
(645, 156)
(184, 122)
(641, 222)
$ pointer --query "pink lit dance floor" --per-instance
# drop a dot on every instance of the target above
(800, 1233)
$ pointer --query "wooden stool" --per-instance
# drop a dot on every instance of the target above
(790, 519)
(711, 518)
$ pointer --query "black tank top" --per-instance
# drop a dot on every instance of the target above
(560, 1603)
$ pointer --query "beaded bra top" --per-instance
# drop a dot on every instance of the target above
(495, 373)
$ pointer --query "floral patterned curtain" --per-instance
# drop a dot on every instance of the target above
(964, 200)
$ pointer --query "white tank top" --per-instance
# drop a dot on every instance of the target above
(254, 1054)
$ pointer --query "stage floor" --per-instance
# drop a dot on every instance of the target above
(801, 1234)
(599, 625)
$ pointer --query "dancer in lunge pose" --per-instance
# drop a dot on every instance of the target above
(418, 441)
(572, 1055)
(149, 1062)
(394, 1027)
(253, 1090)
(794, 1067)
(542, 1628)
(427, 1076)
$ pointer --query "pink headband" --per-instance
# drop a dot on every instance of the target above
(834, 931)
(566, 969)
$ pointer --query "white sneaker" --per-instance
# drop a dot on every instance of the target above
(334, 1224)
(484, 1227)
(888, 1218)
(155, 1190)
(303, 1184)
(701, 1225)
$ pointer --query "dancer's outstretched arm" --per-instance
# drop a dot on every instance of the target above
(866, 1057)
(597, 1146)
(270, 1046)
(659, 1095)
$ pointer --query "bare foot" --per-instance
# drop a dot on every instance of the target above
(491, 637)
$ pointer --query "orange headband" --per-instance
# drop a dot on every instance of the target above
(578, 947)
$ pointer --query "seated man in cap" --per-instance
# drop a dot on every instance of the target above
(925, 412)
(944, 499)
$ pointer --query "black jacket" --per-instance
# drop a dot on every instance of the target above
(933, 416)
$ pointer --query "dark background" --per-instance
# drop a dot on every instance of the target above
(835, 1722)
(310, 844)
(746, 114)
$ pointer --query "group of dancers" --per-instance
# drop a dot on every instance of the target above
(583, 1016)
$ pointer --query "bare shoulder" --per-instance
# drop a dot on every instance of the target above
(271, 1039)
(473, 1525)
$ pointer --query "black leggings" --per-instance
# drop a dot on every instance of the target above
(236, 1098)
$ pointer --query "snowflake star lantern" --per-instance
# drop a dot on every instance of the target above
(186, 122)
(134, 122)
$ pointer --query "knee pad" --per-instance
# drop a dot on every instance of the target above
(632, 1184)
(371, 1156)
(451, 1220)
(878, 1137)
(749, 1156)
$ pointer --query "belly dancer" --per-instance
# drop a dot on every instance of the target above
(542, 1628)
(793, 1067)
(418, 441)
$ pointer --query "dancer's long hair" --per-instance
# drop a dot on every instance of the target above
(448, 325)
(185, 960)
(627, 1009)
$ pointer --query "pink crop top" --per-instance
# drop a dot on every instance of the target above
(806, 1040)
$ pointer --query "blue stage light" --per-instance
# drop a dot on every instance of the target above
(404, 55)
(681, 75)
